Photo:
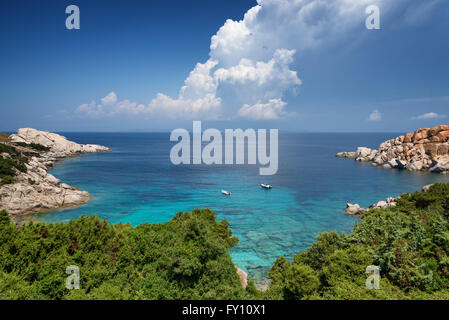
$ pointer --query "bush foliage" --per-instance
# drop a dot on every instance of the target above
(409, 242)
(8, 165)
(35, 146)
(185, 258)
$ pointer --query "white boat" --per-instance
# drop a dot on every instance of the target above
(228, 193)
(266, 186)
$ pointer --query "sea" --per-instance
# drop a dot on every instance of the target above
(137, 183)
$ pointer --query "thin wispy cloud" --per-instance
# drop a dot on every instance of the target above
(419, 12)
(375, 115)
(429, 115)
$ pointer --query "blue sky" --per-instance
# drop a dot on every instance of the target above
(304, 65)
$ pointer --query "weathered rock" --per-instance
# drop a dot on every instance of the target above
(408, 137)
(58, 144)
(52, 179)
(441, 165)
(73, 198)
(243, 277)
(440, 137)
(392, 163)
(401, 164)
(354, 209)
(415, 166)
(425, 149)
(421, 134)
(365, 154)
(350, 155)
(380, 204)
(389, 202)
(437, 129)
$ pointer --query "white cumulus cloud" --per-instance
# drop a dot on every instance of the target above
(250, 61)
(206, 107)
(110, 99)
(162, 105)
(274, 109)
(260, 72)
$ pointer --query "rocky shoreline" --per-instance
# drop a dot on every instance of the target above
(356, 210)
(426, 149)
(35, 190)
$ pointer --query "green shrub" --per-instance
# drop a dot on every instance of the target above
(8, 149)
(7, 180)
(300, 281)
(185, 258)
(8, 165)
(409, 242)
(35, 146)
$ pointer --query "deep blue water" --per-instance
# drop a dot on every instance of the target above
(137, 183)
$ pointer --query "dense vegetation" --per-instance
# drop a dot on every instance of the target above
(35, 146)
(410, 244)
(185, 258)
(12, 161)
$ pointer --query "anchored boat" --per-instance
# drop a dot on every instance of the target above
(228, 193)
(266, 185)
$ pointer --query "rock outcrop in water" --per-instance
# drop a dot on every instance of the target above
(356, 210)
(425, 149)
(36, 190)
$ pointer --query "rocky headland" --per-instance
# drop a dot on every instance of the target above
(426, 149)
(30, 188)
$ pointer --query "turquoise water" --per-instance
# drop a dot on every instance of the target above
(137, 183)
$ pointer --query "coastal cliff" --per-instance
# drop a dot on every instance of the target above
(26, 187)
(426, 149)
